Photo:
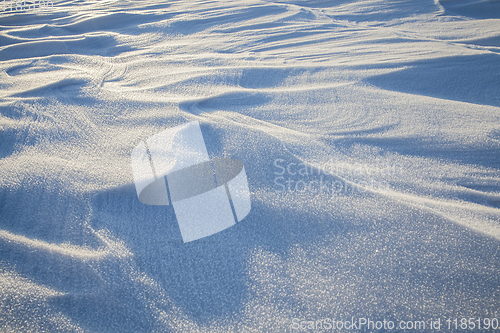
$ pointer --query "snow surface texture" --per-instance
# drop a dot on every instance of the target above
(394, 105)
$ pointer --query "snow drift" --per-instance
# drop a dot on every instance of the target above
(369, 132)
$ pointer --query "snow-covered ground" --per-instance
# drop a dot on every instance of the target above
(370, 135)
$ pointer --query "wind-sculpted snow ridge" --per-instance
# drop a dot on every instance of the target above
(481, 9)
(370, 136)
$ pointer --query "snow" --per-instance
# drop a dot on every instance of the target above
(369, 131)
